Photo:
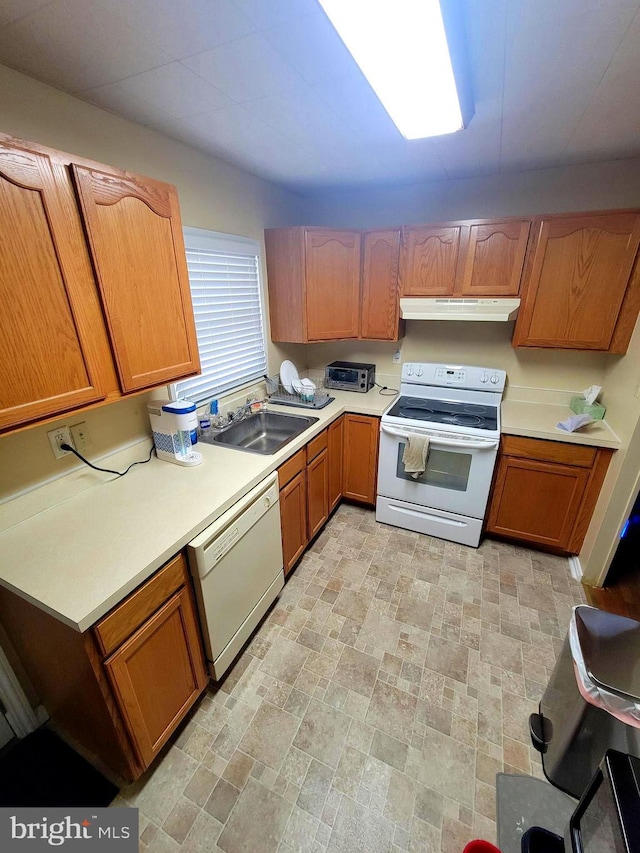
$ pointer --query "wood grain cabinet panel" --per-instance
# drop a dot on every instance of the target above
(135, 237)
(49, 362)
(158, 674)
(494, 259)
(380, 285)
(544, 496)
(332, 284)
(361, 437)
(318, 493)
(429, 259)
(336, 442)
(319, 279)
(581, 292)
(121, 706)
(293, 520)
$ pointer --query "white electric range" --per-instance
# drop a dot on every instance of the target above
(458, 409)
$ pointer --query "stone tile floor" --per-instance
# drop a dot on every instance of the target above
(373, 708)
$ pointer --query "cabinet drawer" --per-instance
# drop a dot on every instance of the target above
(549, 451)
(316, 445)
(291, 468)
(127, 617)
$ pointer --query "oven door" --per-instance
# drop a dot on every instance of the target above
(458, 471)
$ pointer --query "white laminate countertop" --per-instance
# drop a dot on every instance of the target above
(76, 555)
(536, 415)
(78, 546)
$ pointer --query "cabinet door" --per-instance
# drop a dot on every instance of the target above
(494, 259)
(428, 260)
(318, 493)
(578, 283)
(537, 502)
(46, 291)
(380, 298)
(158, 674)
(332, 261)
(336, 441)
(135, 237)
(360, 469)
(293, 520)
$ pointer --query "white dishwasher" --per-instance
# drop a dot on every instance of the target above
(237, 568)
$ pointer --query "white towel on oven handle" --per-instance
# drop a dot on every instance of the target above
(415, 455)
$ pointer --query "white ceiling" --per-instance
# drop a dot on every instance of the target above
(269, 86)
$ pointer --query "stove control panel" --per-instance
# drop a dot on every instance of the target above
(458, 376)
(450, 375)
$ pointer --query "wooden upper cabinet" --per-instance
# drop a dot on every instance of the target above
(318, 278)
(493, 259)
(581, 290)
(48, 347)
(380, 305)
(332, 261)
(135, 237)
(472, 258)
(429, 259)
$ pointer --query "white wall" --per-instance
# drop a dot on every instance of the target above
(593, 186)
(212, 195)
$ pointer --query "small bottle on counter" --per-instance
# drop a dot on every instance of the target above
(204, 425)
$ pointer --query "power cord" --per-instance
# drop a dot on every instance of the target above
(68, 447)
(391, 392)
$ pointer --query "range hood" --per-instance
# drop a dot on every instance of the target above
(488, 310)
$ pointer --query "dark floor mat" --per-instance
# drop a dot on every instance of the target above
(41, 770)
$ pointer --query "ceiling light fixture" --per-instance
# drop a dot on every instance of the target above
(404, 52)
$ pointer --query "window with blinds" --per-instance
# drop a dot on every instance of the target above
(224, 274)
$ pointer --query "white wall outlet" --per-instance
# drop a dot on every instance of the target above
(59, 436)
(81, 437)
(396, 357)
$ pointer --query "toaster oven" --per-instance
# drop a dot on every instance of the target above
(350, 376)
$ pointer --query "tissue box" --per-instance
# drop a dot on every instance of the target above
(580, 406)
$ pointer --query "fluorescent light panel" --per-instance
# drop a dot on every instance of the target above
(401, 48)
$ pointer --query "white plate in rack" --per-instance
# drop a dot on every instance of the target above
(289, 375)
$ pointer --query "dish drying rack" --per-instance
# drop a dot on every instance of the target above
(283, 397)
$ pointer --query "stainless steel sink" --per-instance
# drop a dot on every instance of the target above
(264, 432)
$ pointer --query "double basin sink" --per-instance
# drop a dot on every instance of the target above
(264, 432)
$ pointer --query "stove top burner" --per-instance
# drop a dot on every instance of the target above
(467, 420)
(446, 412)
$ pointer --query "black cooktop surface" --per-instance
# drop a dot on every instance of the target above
(446, 412)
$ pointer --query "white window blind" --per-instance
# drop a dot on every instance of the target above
(224, 274)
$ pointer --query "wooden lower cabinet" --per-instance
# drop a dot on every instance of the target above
(318, 493)
(341, 461)
(545, 492)
(360, 461)
(120, 689)
(166, 646)
(336, 445)
(293, 520)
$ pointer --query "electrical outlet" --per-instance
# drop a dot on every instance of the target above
(59, 436)
(81, 437)
(396, 357)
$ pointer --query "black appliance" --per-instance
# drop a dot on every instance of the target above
(607, 818)
(350, 376)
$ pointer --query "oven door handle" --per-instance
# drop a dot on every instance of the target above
(446, 442)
